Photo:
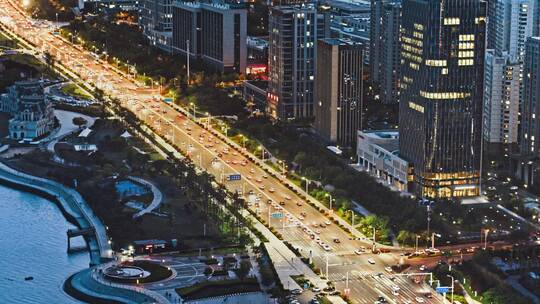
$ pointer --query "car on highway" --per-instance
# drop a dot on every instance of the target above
(326, 247)
(419, 300)
(423, 268)
(299, 203)
(282, 203)
(327, 223)
(261, 187)
(287, 197)
(388, 269)
(265, 176)
(296, 291)
(258, 180)
(271, 190)
(359, 252)
(315, 289)
(371, 261)
(336, 240)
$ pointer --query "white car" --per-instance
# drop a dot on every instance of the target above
(419, 300)
(358, 252)
(326, 247)
(388, 269)
(371, 261)
(423, 268)
(315, 289)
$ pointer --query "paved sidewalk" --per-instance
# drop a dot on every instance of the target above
(157, 196)
(86, 283)
(285, 262)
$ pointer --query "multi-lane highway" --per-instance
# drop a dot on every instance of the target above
(301, 224)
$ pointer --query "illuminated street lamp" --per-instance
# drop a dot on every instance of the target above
(486, 231)
(282, 166)
(243, 138)
(260, 148)
(352, 214)
(330, 201)
(452, 288)
(307, 183)
(193, 106)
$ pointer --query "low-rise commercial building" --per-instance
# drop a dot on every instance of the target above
(255, 94)
(378, 155)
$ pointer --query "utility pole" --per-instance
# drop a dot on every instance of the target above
(187, 50)
(428, 217)
(373, 246)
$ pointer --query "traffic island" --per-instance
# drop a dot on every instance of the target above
(137, 272)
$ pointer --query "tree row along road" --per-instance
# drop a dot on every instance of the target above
(205, 149)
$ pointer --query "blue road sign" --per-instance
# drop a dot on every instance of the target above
(277, 215)
(444, 289)
(234, 177)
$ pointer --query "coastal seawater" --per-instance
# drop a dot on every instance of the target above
(33, 244)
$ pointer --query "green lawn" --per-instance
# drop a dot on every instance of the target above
(75, 91)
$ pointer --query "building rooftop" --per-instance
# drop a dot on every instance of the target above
(257, 42)
(386, 139)
(150, 242)
(340, 41)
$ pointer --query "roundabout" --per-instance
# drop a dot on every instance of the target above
(125, 273)
(137, 272)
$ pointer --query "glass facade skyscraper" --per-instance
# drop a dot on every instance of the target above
(442, 69)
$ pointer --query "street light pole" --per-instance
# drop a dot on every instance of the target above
(307, 184)
(486, 231)
(416, 244)
(373, 246)
(452, 294)
(352, 214)
(187, 50)
(327, 267)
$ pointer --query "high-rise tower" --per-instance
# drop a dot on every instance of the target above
(442, 70)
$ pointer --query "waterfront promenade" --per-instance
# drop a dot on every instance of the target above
(72, 205)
